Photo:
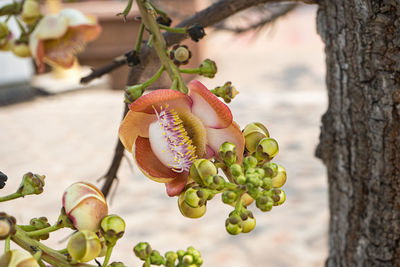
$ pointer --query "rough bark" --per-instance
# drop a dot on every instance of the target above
(360, 134)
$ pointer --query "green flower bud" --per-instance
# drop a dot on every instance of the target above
(21, 49)
(280, 178)
(31, 184)
(116, 264)
(266, 183)
(133, 92)
(236, 170)
(142, 250)
(188, 211)
(156, 258)
(249, 222)
(229, 197)
(208, 68)
(259, 172)
(253, 133)
(215, 182)
(200, 169)
(195, 197)
(180, 254)
(18, 258)
(187, 259)
(267, 149)
(84, 246)
(249, 162)
(194, 252)
(270, 168)
(226, 92)
(252, 190)
(40, 223)
(227, 153)
(4, 31)
(7, 225)
(279, 197)
(112, 227)
(233, 224)
(253, 179)
(264, 203)
(241, 180)
(170, 258)
(30, 11)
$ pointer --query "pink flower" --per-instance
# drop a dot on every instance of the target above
(58, 38)
(166, 130)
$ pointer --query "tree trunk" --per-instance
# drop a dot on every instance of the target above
(360, 134)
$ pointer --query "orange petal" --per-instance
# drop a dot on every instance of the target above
(133, 125)
(176, 186)
(208, 107)
(150, 165)
(233, 134)
(159, 98)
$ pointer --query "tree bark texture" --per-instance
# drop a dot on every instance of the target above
(360, 133)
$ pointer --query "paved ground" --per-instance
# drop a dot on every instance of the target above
(71, 137)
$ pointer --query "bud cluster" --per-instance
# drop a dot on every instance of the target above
(181, 258)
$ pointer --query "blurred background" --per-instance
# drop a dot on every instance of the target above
(69, 135)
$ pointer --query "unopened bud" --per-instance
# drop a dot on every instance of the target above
(280, 178)
(85, 205)
(133, 92)
(156, 258)
(194, 198)
(84, 246)
(21, 49)
(236, 170)
(267, 149)
(266, 183)
(170, 258)
(18, 258)
(249, 162)
(229, 197)
(233, 224)
(254, 180)
(200, 169)
(188, 211)
(249, 222)
(253, 133)
(279, 197)
(112, 227)
(142, 250)
(227, 153)
(226, 92)
(271, 169)
(196, 32)
(264, 203)
(208, 68)
(4, 31)
(215, 182)
(30, 11)
(7, 225)
(32, 184)
(180, 55)
(40, 223)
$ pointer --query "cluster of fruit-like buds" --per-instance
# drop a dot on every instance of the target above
(181, 258)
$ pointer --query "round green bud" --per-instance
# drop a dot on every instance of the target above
(252, 190)
(188, 211)
(112, 227)
(156, 258)
(181, 253)
(241, 180)
(249, 222)
(227, 153)
(253, 179)
(7, 225)
(236, 170)
(4, 31)
(142, 250)
(84, 246)
(267, 149)
(116, 264)
(233, 224)
(18, 258)
(229, 197)
(200, 169)
(253, 133)
(264, 203)
(266, 183)
(215, 182)
(30, 11)
(194, 252)
(187, 259)
(279, 197)
(270, 168)
(249, 162)
(208, 68)
(194, 198)
(171, 257)
(259, 172)
(280, 178)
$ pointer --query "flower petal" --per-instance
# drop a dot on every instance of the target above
(233, 134)
(177, 185)
(133, 125)
(208, 107)
(75, 17)
(159, 98)
(51, 26)
(150, 165)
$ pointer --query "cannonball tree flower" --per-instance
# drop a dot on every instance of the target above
(59, 37)
(167, 130)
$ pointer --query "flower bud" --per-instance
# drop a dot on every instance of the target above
(279, 197)
(188, 211)
(18, 258)
(200, 169)
(40, 223)
(253, 179)
(156, 258)
(180, 54)
(236, 170)
(253, 133)
(194, 198)
(233, 224)
(208, 68)
(187, 259)
(249, 222)
(229, 197)
(270, 168)
(196, 32)
(266, 183)
(267, 149)
(170, 258)
(7, 225)
(280, 178)
(241, 180)
(116, 264)
(112, 227)
(30, 11)
(264, 203)
(4, 31)
(227, 153)
(3, 179)
(84, 246)
(142, 250)
(215, 182)
(226, 92)
(31, 184)
(85, 205)
(21, 49)
(249, 162)
(133, 92)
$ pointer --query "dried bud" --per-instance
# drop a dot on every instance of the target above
(200, 169)
(21, 49)
(30, 11)
(253, 133)
(267, 149)
(188, 211)
(18, 258)
(196, 32)
(226, 92)
(32, 184)
(7, 225)
(3, 179)
(180, 54)
(142, 250)
(208, 68)
(227, 153)
(84, 246)
(112, 227)
(85, 205)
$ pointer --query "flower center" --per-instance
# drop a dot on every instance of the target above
(177, 149)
